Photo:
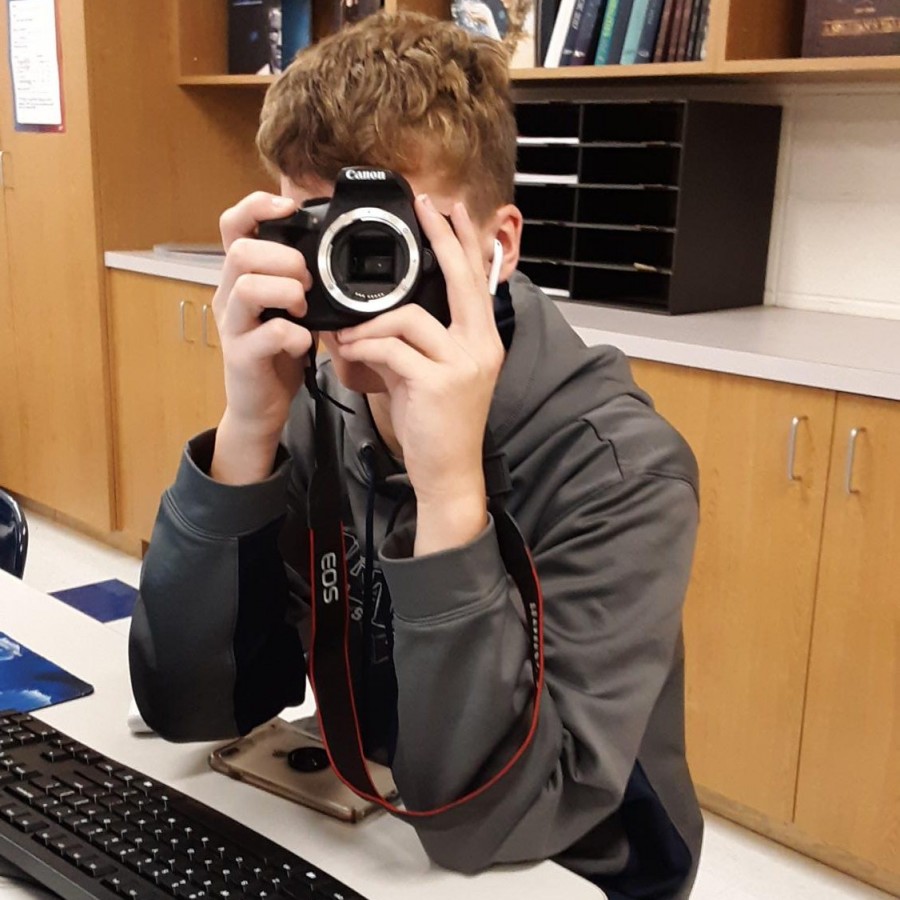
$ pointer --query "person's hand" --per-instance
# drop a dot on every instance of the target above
(440, 383)
(264, 361)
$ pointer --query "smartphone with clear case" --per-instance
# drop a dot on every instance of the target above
(289, 759)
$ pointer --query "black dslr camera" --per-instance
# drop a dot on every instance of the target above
(365, 252)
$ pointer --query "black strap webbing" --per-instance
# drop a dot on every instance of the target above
(330, 668)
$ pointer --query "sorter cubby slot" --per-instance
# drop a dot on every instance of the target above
(555, 276)
(671, 208)
(547, 119)
(629, 165)
(620, 287)
(557, 160)
(632, 121)
(648, 248)
(548, 241)
(627, 206)
(546, 203)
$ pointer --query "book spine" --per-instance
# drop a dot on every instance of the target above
(568, 49)
(606, 33)
(649, 32)
(633, 35)
(296, 27)
(560, 30)
(588, 33)
(545, 17)
(674, 30)
(623, 17)
(702, 33)
(687, 13)
(665, 27)
(691, 52)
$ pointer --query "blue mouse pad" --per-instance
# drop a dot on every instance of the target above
(105, 601)
(29, 681)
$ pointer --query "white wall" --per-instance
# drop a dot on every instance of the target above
(836, 228)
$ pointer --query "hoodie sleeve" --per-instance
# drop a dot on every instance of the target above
(614, 568)
(214, 646)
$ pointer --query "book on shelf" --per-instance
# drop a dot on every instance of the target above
(851, 28)
(545, 19)
(649, 32)
(703, 32)
(633, 34)
(513, 23)
(665, 30)
(584, 33)
(612, 36)
(690, 52)
(681, 51)
(560, 33)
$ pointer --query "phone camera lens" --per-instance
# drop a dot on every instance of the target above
(308, 759)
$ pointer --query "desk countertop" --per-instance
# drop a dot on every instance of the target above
(380, 857)
(855, 354)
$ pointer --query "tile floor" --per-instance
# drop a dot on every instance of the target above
(736, 864)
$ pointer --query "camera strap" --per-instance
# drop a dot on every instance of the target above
(330, 666)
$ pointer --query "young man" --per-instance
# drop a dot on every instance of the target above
(603, 490)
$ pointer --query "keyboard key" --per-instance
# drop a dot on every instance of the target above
(61, 844)
(11, 811)
(55, 754)
(29, 823)
(26, 792)
(97, 867)
(76, 853)
(47, 834)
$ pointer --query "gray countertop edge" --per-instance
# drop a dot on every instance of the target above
(854, 354)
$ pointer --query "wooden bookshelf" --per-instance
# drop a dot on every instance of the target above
(830, 68)
(262, 81)
(591, 73)
(749, 40)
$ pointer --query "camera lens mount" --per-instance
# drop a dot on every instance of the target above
(375, 302)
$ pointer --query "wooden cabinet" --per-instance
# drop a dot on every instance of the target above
(792, 619)
(849, 787)
(55, 371)
(749, 608)
(167, 379)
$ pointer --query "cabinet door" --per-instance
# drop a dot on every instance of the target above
(849, 786)
(160, 390)
(750, 602)
(213, 374)
(55, 272)
(10, 434)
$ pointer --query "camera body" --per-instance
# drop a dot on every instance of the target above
(365, 251)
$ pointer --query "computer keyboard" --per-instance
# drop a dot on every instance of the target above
(82, 825)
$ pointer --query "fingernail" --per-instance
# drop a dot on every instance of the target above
(425, 200)
(283, 202)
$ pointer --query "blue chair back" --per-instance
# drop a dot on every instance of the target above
(13, 536)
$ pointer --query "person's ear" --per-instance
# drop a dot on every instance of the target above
(507, 228)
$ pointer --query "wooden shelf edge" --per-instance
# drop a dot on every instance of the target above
(845, 68)
(837, 67)
(591, 73)
(227, 80)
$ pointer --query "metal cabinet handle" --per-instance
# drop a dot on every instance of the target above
(205, 329)
(181, 309)
(851, 456)
(792, 447)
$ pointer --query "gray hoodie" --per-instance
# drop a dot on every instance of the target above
(605, 493)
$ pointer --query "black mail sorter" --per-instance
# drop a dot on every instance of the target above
(660, 205)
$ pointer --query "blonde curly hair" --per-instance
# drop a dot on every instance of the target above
(401, 91)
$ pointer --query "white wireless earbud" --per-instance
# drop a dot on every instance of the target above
(494, 277)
